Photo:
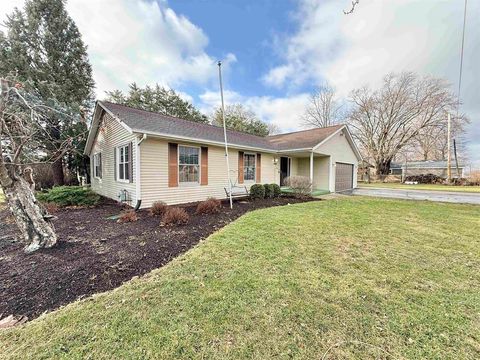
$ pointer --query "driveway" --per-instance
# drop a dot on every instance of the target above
(444, 196)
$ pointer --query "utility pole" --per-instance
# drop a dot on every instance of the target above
(225, 134)
(449, 155)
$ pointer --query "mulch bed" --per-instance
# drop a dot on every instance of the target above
(95, 254)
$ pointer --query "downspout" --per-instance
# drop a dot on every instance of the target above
(138, 187)
(311, 169)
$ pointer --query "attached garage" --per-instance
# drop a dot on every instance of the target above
(343, 177)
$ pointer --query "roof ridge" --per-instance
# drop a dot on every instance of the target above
(299, 131)
(189, 121)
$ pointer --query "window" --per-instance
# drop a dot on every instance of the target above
(188, 164)
(249, 167)
(97, 165)
(123, 163)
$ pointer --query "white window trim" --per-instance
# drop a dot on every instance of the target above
(95, 159)
(117, 163)
(254, 181)
(190, 183)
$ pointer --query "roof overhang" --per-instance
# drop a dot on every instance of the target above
(94, 126)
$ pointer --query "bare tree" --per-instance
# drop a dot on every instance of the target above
(323, 108)
(23, 121)
(387, 120)
(352, 8)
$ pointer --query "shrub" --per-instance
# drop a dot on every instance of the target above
(268, 190)
(474, 177)
(51, 207)
(257, 191)
(300, 185)
(276, 190)
(69, 196)
(209, 206)
(158, 208)
(128, 216)
(175, 216)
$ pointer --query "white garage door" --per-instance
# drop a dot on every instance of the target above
(343, 177)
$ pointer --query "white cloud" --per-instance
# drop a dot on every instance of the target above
(139, 41)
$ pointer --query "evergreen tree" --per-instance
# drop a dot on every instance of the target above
(239, 118)
(42, 45)
(157, 99)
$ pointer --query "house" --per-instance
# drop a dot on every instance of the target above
(435, 167)
(140, 157)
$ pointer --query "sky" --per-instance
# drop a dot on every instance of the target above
(276, 52)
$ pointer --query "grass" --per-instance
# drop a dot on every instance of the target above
(434, 187)
(354, 278)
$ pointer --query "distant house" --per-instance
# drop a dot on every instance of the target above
(435, 167)
(140, 157)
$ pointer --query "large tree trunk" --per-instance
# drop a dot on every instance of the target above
(57, 170)
(383, 167)
(29, 216)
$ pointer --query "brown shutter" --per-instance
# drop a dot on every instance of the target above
(258, 177)
(172, 165)
(240, 167)
(130, 162)
(115, 164)
(204, 166)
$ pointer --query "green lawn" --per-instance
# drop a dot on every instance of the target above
(354, 278)
(422, 187)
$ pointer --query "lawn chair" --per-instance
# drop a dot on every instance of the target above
(238, 191)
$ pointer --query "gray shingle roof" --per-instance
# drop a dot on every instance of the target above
(427, 164)
(142, 121)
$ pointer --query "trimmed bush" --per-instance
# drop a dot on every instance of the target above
(128, 216)
(209, 206)
(158, 208)
(69, 196)
(175, 216)
(300, 185)
(257, 191)
(276, 190)
(268, 190)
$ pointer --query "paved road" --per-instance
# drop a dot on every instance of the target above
(445, 196)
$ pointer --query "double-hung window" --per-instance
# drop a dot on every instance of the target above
(188, 164)
(123, 163)
(97, 165)
(249, 167)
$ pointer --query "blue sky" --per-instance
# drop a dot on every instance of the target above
(276, 52)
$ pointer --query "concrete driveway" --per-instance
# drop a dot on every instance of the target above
(444, 196)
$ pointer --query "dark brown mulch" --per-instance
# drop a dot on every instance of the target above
(95, 254)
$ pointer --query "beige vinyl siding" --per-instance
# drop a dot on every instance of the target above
(154, 174)
(320, 170)
(340, 150)
(110, 135)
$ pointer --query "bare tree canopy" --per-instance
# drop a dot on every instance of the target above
(323, 108)
(24, 119)
(387, 120)
(352, 8)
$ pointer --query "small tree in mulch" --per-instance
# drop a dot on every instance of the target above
(158, 208)
(209, 206)
(128, 216)
(175, 216)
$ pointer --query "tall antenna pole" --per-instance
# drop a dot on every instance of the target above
(225, 134)
(449, 155)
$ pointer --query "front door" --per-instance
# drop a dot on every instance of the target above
(285, 163)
